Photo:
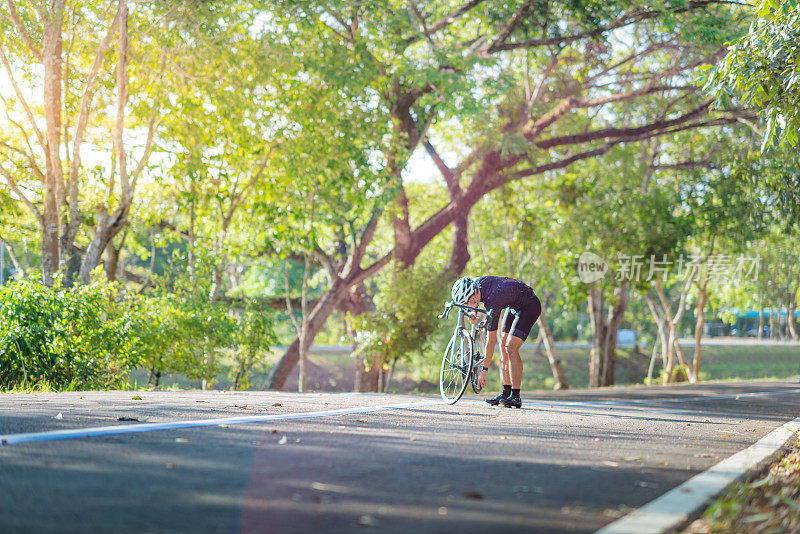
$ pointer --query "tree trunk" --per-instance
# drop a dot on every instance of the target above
(389, 376)
(18, 272)
(53, 72)
(673, 322)
(552, 357)
(316, 320)
(774, 330)
(302, 354)
(791, 307)
(110, 224)
(650, 368)
(604, 334)
(615, 318)
(367, 380)
(694, 375)
(661, 324)
(112, 257)
(598, 334)
(760, 335)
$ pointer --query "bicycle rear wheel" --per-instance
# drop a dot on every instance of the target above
(456, 367)
(477, 359)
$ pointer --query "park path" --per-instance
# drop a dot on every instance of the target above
(570, 461)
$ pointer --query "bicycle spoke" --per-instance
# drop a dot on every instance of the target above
(454, 375)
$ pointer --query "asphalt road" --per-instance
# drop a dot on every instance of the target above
(565, 462)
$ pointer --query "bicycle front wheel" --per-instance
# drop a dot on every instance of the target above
(456, 367)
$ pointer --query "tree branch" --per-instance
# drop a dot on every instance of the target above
(447, 173)
(86, 100)
(685, 165)
(446, 21)
(415, 14)
(122, 99)
(626, 19)
(22, 100)
(604, 133)
(510, 27)
(148, 148)
(23, 32)
(560, 164)
(31, 161)
(15, 188)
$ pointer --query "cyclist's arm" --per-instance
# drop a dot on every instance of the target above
(491, 340)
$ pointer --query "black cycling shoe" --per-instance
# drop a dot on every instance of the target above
(494, 401)
(511, 402)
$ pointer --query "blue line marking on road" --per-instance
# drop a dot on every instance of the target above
(54, 435)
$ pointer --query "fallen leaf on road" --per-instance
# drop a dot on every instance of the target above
(127, 418)
(277, 404)
(182, 440)
(503, 437)
(172, 465)
(611, 464)
(610, 512)
(273, 431)
(472, 495)
(136, 397)
(726, 435)
(367, 521)
(632, 458)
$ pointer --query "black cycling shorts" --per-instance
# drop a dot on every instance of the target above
(518, 323)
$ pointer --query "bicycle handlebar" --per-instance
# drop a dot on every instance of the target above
(449, 305)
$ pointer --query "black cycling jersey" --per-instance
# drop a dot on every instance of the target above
(498, 292)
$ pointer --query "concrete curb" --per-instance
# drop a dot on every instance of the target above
(678, 505)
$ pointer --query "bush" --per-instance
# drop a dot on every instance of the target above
(404, 318)
(65, 339)
(184, 332)
(89, 337)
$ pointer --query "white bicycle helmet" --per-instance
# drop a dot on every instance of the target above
(463, 289)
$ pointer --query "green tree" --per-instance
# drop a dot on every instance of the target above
(515, 230)
(762, 70)
(531, 88)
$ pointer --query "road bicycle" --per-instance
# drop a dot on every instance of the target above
(463, 356)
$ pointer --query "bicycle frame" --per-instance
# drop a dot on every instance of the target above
(461, 314)
(475, 358)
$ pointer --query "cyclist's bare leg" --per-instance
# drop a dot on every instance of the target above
(505, 368)
(511, 345)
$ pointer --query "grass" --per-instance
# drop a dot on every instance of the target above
(333, 371)
(768, 502)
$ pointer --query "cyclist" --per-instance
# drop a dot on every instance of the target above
(523, 310)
